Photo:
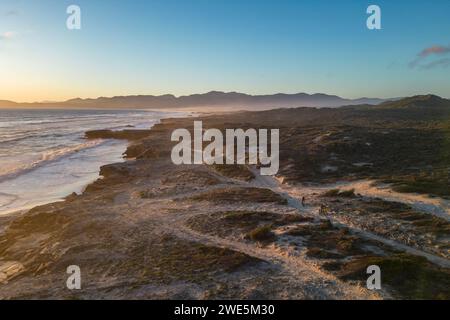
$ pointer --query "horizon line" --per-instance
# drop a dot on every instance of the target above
(209, 92)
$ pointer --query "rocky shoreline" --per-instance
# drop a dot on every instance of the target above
(151, 230)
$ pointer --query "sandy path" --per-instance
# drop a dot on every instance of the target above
(293, 194)
(313, 281)
(437, 206)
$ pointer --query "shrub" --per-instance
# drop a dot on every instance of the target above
(263, 233)
(337, 193)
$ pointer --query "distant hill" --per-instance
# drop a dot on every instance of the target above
(417, 108)
(6, 104)
(423, 101)
(210, 99)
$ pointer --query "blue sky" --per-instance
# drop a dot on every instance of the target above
(194, 46)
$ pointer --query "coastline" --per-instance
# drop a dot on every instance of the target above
(69, 166)
(59, 196)
(153, 230)
(130, 136)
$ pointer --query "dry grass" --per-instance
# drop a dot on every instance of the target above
(261, 234)
(340, 194)
(240, 195)
(410, 277)
(236, 171)
(240, 223)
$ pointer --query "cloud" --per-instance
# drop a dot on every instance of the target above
(437, 50)
(8, 35)
(434, 50)
(444, 63)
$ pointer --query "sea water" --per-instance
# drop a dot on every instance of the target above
(44, 155)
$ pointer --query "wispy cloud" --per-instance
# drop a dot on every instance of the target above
(444, 63)
(437, 50)
(434, 50)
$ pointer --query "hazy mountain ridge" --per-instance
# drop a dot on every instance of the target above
(210, 99)
(420, 101)
(417, 108)
(7, 103)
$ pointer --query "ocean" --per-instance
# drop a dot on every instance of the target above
(45, 157)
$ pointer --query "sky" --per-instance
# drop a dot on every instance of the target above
(195, 46)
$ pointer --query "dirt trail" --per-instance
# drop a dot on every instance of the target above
(436, 206)
(313, 282)
(292, 195)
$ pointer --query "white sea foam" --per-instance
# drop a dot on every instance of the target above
(44, 155)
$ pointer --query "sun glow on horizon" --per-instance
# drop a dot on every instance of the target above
(187, 47)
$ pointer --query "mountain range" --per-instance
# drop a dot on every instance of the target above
(210, 99)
